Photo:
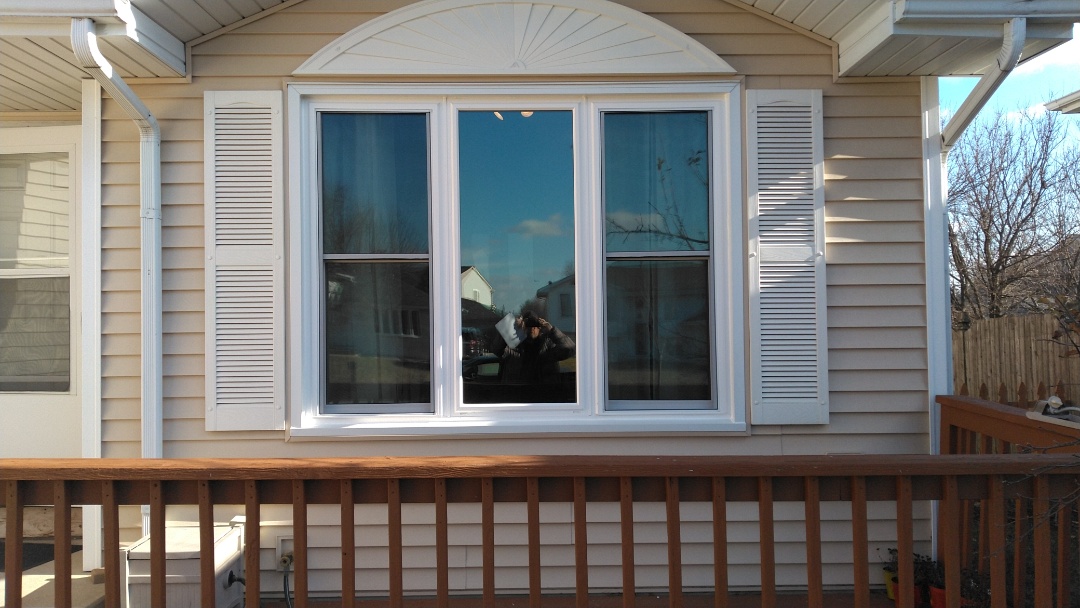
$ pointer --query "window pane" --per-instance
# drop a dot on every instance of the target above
(378, 333)
(374, 183)
(658, 330)
(34, 203)
(35, 335)
(517, 255)
(656, 181)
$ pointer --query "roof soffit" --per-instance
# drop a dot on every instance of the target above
(513, 37)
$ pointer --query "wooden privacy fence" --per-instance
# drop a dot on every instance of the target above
(1033, 560)
(1012, 350)
(856, 480)
(1022, 397)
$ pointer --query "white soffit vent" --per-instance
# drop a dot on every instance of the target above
(510, 37)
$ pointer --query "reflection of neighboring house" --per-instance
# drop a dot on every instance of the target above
(560, 303)
(475, 287)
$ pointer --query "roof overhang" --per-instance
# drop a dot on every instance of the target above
(135, 43)
(1069, 104)
(947, 37)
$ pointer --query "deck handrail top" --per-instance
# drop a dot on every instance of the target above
(841, 465)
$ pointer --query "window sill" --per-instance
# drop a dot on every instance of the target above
(428, 426)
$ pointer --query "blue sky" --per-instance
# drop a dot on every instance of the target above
(1049, 76)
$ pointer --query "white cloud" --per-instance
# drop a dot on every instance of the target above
(552, 226)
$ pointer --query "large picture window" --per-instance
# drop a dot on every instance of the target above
(503, 261)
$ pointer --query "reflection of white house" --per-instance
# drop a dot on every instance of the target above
(560, 304)
(475, 287)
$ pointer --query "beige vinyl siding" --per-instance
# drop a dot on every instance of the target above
(877, 314)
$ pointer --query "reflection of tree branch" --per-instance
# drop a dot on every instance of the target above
(670, 219)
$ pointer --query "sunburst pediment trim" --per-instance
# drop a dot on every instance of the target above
(513, 37)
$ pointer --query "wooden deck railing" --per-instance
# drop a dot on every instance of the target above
(1039, 549)
(530, 481)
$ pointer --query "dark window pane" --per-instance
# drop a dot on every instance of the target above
(378, 334)
(517, 255)
(35, 334)
(658, 330)
(374, 183)
(656, 181)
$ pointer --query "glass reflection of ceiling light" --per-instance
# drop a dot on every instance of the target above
(527, 113)
(498, 115)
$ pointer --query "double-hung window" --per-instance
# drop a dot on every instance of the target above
(516, 258)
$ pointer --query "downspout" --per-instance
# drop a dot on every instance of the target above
(1012, 45)
(84, 43)
(937, 223)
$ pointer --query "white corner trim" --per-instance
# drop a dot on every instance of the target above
(938, 322)
(90, 285)
(500, 37)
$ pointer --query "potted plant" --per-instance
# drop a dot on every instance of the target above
(921, 565)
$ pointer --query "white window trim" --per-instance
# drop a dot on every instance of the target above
(451, 417)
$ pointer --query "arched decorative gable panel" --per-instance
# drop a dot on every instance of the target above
(512, 37)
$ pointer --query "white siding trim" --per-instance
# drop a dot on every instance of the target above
(938, 321)
(90, 284)
(245, 333)
(785, 164)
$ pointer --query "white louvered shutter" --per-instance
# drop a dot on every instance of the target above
(787, 249)
(245, 333)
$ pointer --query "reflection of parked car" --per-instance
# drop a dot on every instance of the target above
(473, 343)
(484, 384)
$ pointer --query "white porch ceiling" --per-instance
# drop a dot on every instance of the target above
(148, 38)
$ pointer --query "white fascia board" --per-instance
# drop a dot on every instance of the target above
(1070, 104)
(60, 8)
(996, 11)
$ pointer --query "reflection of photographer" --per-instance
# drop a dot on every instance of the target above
(536, 359)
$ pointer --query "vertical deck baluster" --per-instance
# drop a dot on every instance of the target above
(951, 516)
(13, 545)
(300, 543)
(442, 546)
(860, 542)
(996, 539)
(767, 541)
(110, 521)
(251, 543)
(532, 498)
(207, 586)
(348, 543)
(581, 545)
(62, 544)
(157, 544)
(984, 522)
(626, 524)
(393, 517)
(487, 525)
(1063, 558)
(1020, 535)
(905, 585)
(674, 541)
(719, 528)
(1040, 518)
(812, 508)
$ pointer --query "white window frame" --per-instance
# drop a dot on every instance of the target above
(589, 415)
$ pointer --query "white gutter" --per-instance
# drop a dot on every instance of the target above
(1011, 47)
(84, 43)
